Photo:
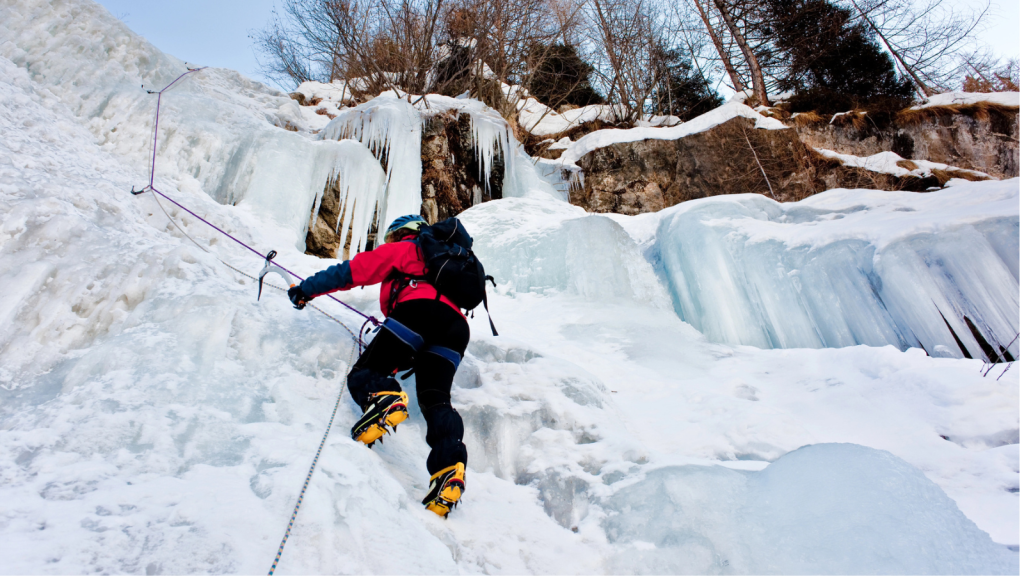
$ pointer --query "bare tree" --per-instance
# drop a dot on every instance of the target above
(927, 39)
(716, 34)
(987, 73)
(725, 9)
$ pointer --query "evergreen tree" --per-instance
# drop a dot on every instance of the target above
(560, 76)
(833, 63)
(682, 91)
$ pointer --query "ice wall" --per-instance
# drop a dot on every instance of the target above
(850, 267)
(234, 138)
(391, 127)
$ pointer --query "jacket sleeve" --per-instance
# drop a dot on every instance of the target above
(337, 277)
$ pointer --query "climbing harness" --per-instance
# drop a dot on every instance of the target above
(269, 267)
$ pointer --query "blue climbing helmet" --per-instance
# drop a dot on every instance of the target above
(410, 222)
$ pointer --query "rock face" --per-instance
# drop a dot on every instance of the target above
(988, 142)
(731, 158)
(452, 180)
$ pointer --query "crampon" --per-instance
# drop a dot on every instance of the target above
(385, 409)
(446, 487)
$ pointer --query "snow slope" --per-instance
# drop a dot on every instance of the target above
(155, 418)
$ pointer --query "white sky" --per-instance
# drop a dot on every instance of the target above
(216, 32)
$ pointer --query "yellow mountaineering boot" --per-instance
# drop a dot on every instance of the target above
(385, 409)
(446, 487)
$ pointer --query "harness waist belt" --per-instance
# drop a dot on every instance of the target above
(415, 341)
(446, 353)
(412, 339)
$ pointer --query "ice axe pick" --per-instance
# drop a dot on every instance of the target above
(268, 268)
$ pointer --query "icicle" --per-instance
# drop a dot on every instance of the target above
(391, 129)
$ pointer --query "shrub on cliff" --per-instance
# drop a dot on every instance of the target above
(560, 76)
(682, 90)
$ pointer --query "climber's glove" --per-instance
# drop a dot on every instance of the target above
(298, 297)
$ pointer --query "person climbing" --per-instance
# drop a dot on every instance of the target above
(424, 330)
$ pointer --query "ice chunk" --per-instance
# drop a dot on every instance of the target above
(822, 509)
(539, 243)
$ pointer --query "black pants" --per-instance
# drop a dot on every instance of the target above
(439, 325)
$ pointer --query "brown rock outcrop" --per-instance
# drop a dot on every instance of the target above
(321, 239)
(984, 139)
(731, 158)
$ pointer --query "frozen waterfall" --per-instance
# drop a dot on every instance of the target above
(938, 271)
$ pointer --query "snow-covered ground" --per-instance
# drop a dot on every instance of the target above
(155, 418)
(1011, 99)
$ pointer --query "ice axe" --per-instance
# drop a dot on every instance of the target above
(269, 267)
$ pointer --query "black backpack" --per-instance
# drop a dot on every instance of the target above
(452, 268)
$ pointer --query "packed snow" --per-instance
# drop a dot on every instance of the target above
(702, 123)
(154, 417)
(889, 163)
(1010, 99)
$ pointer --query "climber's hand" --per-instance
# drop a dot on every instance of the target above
(298, 297)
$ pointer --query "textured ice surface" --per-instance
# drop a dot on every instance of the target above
(850, 267)
(536, 244)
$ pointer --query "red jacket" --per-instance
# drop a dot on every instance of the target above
(375, 266)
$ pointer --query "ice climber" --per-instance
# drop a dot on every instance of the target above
(424, 330)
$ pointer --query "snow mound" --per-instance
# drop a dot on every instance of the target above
(1010, 99)
(336, 93)
(849, 267)
(822, 509)
(888, 163)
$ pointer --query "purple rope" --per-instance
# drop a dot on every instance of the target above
(152, 174)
